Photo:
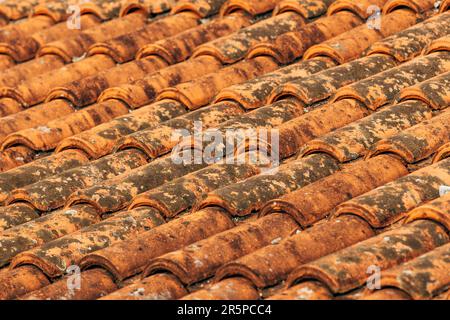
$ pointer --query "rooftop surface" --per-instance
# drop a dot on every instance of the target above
(331, 181)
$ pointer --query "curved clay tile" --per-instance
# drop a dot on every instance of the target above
(324, 84)
(356, 139)
(315, 201)
(422, 278)
(15, 215)
(200, 260)
(441, 44)
(15, 157)
(259, 121)
(234, 47)
(23, 45)
(308, 290)
(179, 47)
(267, 117)
(16, 41)
(391, 202)
(18, 282)
(149, 7)
(33, 117)
(159, 140)
(382, 88)
(129, 257)
(145, 90)
(158, 287)
(272, 264)
(33, 91)
(256, 191)
(407, 44)
(48, 136)
(362, 8)
(100, 140)
(117, 193)
(287, 47)
(227, 289)
(442, 153)
(255, 93)
(352, 44)
(52, 192)
(182, 194)
(436, 210)
(24, 71)
(44, 229)
(435, 92)
(199, 92)
(38, 170)
(252, 7)
(294, 134)
(124, 47)
(16, 10)
(93, 285)
(347, 269)
(308, 9)
(61, 30)
(418, 142)
(55, 256)
(203, 8)
(419, 6)
(103, 9)
(86, 91)
(75, 47)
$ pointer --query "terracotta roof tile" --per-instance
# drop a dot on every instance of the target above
(356, 139)
(200, 260)
(409, 43)
(161, 286)
(47, 137)
(234, 47)
(128, 258)
(418, 6)
(361, 8)
(44, 229)
(292, 44)
(88, 117)
(145, 90)
(324, 84)
(39, 170)
(228, 289)
(14, 215)
(101, 140)
(54, 257)
(202, 8)
(125, 45)
(423, 277)
(308, 9)
(149, 7)
(262, 267)
(182, 194)
(418, 142)
(178, 48)
(382, 88)
(93, 285)
(337, 188)
(51, 193)
(253, 7)
(434, 210)
(346, 269)
(392, 201)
